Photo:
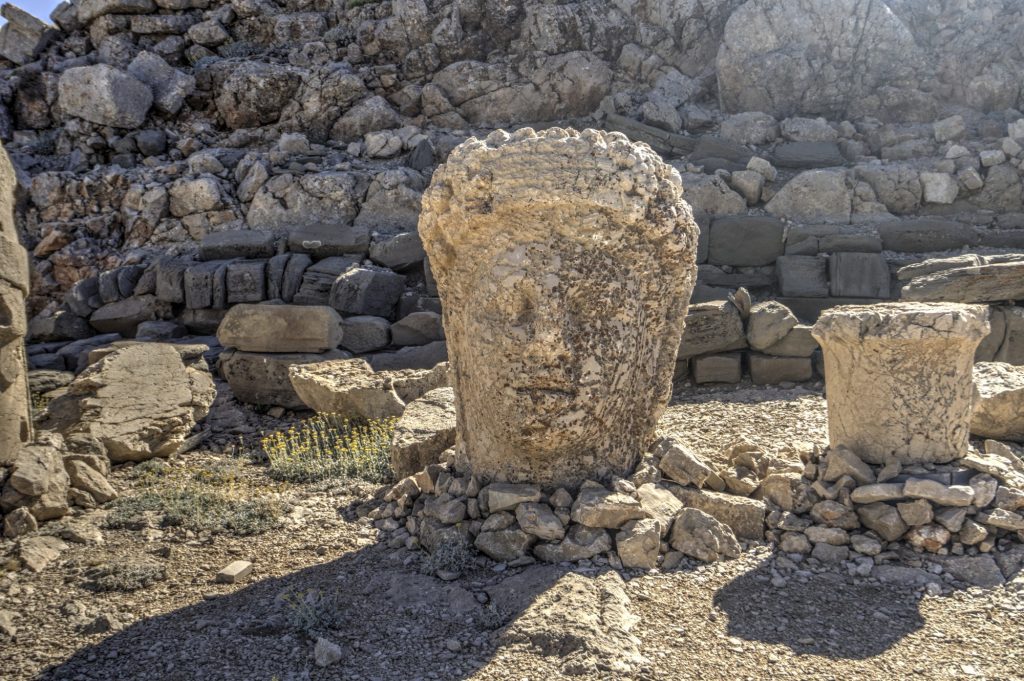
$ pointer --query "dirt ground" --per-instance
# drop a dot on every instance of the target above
(320, 575)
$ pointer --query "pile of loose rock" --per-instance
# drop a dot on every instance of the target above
(823, 504)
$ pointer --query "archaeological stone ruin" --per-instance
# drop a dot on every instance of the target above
(563, 311)
(521, 243)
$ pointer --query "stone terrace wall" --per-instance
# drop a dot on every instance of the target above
(144, 127)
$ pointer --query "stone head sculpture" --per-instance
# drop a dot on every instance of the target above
(565, 262)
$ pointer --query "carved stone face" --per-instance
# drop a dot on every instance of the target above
(571, 322)
(563, 306)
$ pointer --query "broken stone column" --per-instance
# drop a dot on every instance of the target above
(898, 378)
(565, 263)
(15, 417)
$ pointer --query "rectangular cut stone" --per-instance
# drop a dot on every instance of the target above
(504, 496)
(170, 278)
(280, 328)
(322, 241)
(712, 328)
(768, 370)
(748, 241)
(724, 368)
(884, 491)
(239, 243)
(748, 277)
(798, 343)
(926, 235)
(247, 281)
(859, 275)
(802, 275)
(851, 242)
(199, 283)
(234, 572)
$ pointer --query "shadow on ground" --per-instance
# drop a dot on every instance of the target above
(824, 615)
(390, 621)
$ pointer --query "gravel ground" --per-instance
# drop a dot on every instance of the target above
(320, 575)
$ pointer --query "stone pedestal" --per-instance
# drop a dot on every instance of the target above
(565, 262)
(15, 415)
(898, 378)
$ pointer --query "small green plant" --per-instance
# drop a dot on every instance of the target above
(202, 499)
(330, 446)
(452, 555)
(129, 576)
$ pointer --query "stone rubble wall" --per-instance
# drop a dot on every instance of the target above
(146, 127)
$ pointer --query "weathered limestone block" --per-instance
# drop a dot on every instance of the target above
(348, 387)
(15, 417)
(280, 328)
(999, 406)
(141, 401)
(898, 378)
(564, 262)
(424, 431)
(986, 283)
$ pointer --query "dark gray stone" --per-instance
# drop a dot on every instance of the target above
(318, 280)
(806, 155)
(802, 275)
(399, 253)
(109, 290)
(414, 357)
(323, 241)
(199, 283)
(84, 297)
(291, 281)
(724, 368)
(367, 291)
(745, 241)
(859, 275)
(246, 281)
(128, 278)
(365, 333)
(418, 328)
(170, 280)
(771, 370)
(276, 268)
(240, 243)
(926, 235)
(422, 156)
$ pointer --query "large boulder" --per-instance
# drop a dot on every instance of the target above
(348, 387)
(565, 262)
(999, 403)
(835, 58)
(254, 93)
(814, 196)
(169, 85)
(425, 430)
(104, 95)
(280, 328)
(140, 401)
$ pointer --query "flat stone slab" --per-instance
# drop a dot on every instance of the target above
(281, 328)
(235, 572)
(988, 283)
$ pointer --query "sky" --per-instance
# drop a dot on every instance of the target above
(39, 8)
